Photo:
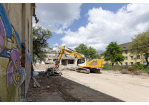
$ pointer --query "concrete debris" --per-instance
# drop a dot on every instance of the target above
(48, 87)
(36, 83)
(52, 72)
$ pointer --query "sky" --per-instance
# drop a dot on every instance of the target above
(94, 24)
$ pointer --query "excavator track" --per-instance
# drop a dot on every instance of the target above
(94, 70)
(83, 70)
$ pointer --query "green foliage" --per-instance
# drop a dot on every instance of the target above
(107, 66)
(50, 48)
(88, 52)
(142, 67)
(140, 42)
(40, 36)
(113, 53)
(139, 66)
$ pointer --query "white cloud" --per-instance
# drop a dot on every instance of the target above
(105, 26)
(57, 16)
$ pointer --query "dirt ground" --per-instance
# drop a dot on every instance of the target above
(107, 86)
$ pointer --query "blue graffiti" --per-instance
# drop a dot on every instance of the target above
(4, 53)
(5, 20)
(18, 38)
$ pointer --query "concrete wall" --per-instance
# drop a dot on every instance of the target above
(15, 49)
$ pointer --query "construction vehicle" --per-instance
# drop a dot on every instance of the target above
(82, 65)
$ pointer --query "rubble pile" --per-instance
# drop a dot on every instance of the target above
(52, 72)
(68, 67)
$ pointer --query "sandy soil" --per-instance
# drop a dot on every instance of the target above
(107, 86)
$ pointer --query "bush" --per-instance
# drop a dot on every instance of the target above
(141, 67)
(107, 66)
(138, 66)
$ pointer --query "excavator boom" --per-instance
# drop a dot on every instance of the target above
(75, 54)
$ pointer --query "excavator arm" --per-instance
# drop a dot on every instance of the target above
(75, 54)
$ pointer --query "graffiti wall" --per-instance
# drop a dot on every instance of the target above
(11, 74)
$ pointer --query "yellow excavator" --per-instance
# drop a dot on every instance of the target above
(83, 66)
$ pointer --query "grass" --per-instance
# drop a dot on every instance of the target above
(125, 69)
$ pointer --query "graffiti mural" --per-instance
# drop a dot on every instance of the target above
(11, 73)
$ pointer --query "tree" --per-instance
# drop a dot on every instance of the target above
(140, 42)
(113, 53)
(88, 52)
(40, 36)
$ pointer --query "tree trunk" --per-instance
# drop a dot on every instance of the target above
(147, 61)
(112, 64)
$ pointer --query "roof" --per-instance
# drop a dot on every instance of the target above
(124, 45)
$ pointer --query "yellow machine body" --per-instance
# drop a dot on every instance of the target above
(95, 63)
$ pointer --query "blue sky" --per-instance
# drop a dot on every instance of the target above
(94, 24)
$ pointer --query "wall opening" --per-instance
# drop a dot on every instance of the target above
(70, 61)
(28, 39)
(23, 22)
(64, 62)
(23, 90)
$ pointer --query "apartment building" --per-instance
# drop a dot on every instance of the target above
(131, 57)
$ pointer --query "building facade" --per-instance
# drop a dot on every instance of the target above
(15, 49)
(131, 57)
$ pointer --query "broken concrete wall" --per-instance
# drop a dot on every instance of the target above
(65, 60)
(12, 71)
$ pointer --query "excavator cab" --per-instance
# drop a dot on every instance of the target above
(81, 62)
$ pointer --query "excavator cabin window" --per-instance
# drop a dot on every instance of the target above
(80, 61)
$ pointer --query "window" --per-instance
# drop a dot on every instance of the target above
(138, 62)
(145, 63)
(138, 56)
(126, 58)
(131, 63)
(124, 47)
(80, 61)
(131, 57)
(121, 64)
(111, 64)
(55, 60)
(144, 56)
(122, 52)
(126, 52)
(70, 61)
(125, 63)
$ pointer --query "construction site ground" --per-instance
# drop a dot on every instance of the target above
(107, 86)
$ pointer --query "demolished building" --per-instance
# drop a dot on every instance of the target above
(66, 59)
